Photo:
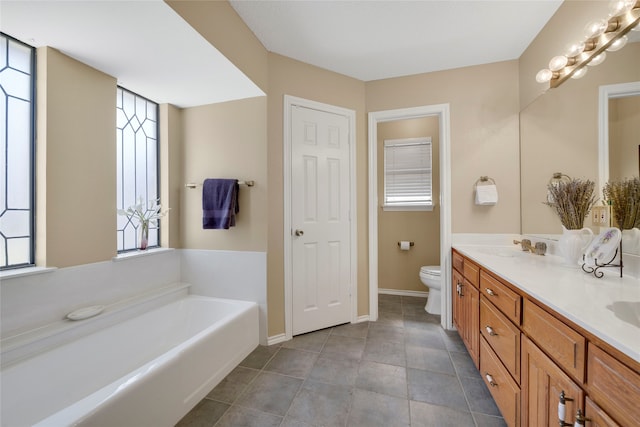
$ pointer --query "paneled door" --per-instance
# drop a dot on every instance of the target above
(320, 219)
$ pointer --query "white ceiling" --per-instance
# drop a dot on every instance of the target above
(151, 50)
(372, 40)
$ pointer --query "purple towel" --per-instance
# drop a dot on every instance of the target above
(219, 203)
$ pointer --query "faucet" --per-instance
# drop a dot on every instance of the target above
(540, 248)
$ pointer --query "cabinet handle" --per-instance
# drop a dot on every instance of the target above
(490, 331)
(562, 409)
(490, 292)
(490, 380)
(580, 419)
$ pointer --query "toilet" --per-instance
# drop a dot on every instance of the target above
(430, 277)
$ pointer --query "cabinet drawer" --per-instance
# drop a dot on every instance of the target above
(563, 344)
(614, 386)
(472, 272)
(502, 336)
(504, 390)
(501, 296)
(458, 262)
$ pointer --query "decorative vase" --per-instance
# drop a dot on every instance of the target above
(573, 243)
(144, 236)
(631, 241)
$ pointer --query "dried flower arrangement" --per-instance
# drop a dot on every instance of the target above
(624, 197)
(572, 200)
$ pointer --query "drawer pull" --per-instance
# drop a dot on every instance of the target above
(490, 331)
(490, 380)
(490, 292)
(580, 419)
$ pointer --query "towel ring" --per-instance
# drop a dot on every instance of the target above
(484, 180)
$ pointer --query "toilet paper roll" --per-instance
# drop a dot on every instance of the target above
(405, 245)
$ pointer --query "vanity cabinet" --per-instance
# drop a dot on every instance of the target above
(466, 303)
(531, 357)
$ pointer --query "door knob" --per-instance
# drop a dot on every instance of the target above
(299, 233)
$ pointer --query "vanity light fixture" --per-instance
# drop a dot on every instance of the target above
(601, 36)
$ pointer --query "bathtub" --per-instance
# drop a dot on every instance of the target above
(149, 370)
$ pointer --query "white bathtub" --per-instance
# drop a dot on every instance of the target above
(149, 370)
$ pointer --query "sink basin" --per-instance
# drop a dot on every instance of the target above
(627, 311)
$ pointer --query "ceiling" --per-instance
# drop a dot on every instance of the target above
(372, 40)
(367, 40)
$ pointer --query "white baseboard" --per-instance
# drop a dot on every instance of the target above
(421, 294)
(276, 339)
(364, 318)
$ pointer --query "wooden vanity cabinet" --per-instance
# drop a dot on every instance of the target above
(466, 304)
(528, 354)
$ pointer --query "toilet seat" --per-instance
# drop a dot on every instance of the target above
(430, 270)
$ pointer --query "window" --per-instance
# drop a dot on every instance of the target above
(17, 70)
(407, 174)
(137, 164)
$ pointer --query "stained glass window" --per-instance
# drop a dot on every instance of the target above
(137, 164)
(17, 62)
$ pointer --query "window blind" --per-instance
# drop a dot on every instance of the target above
(407, 172)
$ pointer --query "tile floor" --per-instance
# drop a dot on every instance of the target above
(402, 370)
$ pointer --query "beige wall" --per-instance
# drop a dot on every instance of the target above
(399, 269)
(76, 156)
(226, 140)
(290, 77)
(171, 179)
(483, 104)
(624, 137)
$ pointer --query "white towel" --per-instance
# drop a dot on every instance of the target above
(486, 195)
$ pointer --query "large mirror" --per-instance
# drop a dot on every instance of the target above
(559, 132)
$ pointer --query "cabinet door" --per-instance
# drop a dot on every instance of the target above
(456, 298)
(597, 417)
(542, 383)
(472, 322)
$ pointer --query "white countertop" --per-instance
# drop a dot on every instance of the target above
(609, 307)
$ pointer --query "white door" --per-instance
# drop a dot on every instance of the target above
(320, 224)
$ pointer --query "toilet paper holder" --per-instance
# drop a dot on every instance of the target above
(410, 244)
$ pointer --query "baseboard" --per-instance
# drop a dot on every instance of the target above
(421, 294)
(276, 339)
(364, 318)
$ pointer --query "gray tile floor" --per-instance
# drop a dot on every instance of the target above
(402, 370)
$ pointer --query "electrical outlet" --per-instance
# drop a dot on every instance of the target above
(600, 216)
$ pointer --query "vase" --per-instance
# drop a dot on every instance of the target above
(144, 236)
(573, 243)
(631, 241)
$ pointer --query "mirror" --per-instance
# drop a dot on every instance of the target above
(559, 132)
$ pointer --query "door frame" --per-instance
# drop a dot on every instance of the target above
(291, 102)
(442, 112)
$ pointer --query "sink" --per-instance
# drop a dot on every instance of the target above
(627, 311)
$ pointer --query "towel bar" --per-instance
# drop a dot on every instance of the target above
(247, 183)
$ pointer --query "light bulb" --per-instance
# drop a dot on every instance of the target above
(575, 49)
(580, 73)
(620, 7)
(618, 44)
(596, 28)
(557, 63)
(544, 76)
(598, 59)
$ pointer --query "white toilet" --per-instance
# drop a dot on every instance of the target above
(430, 276)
